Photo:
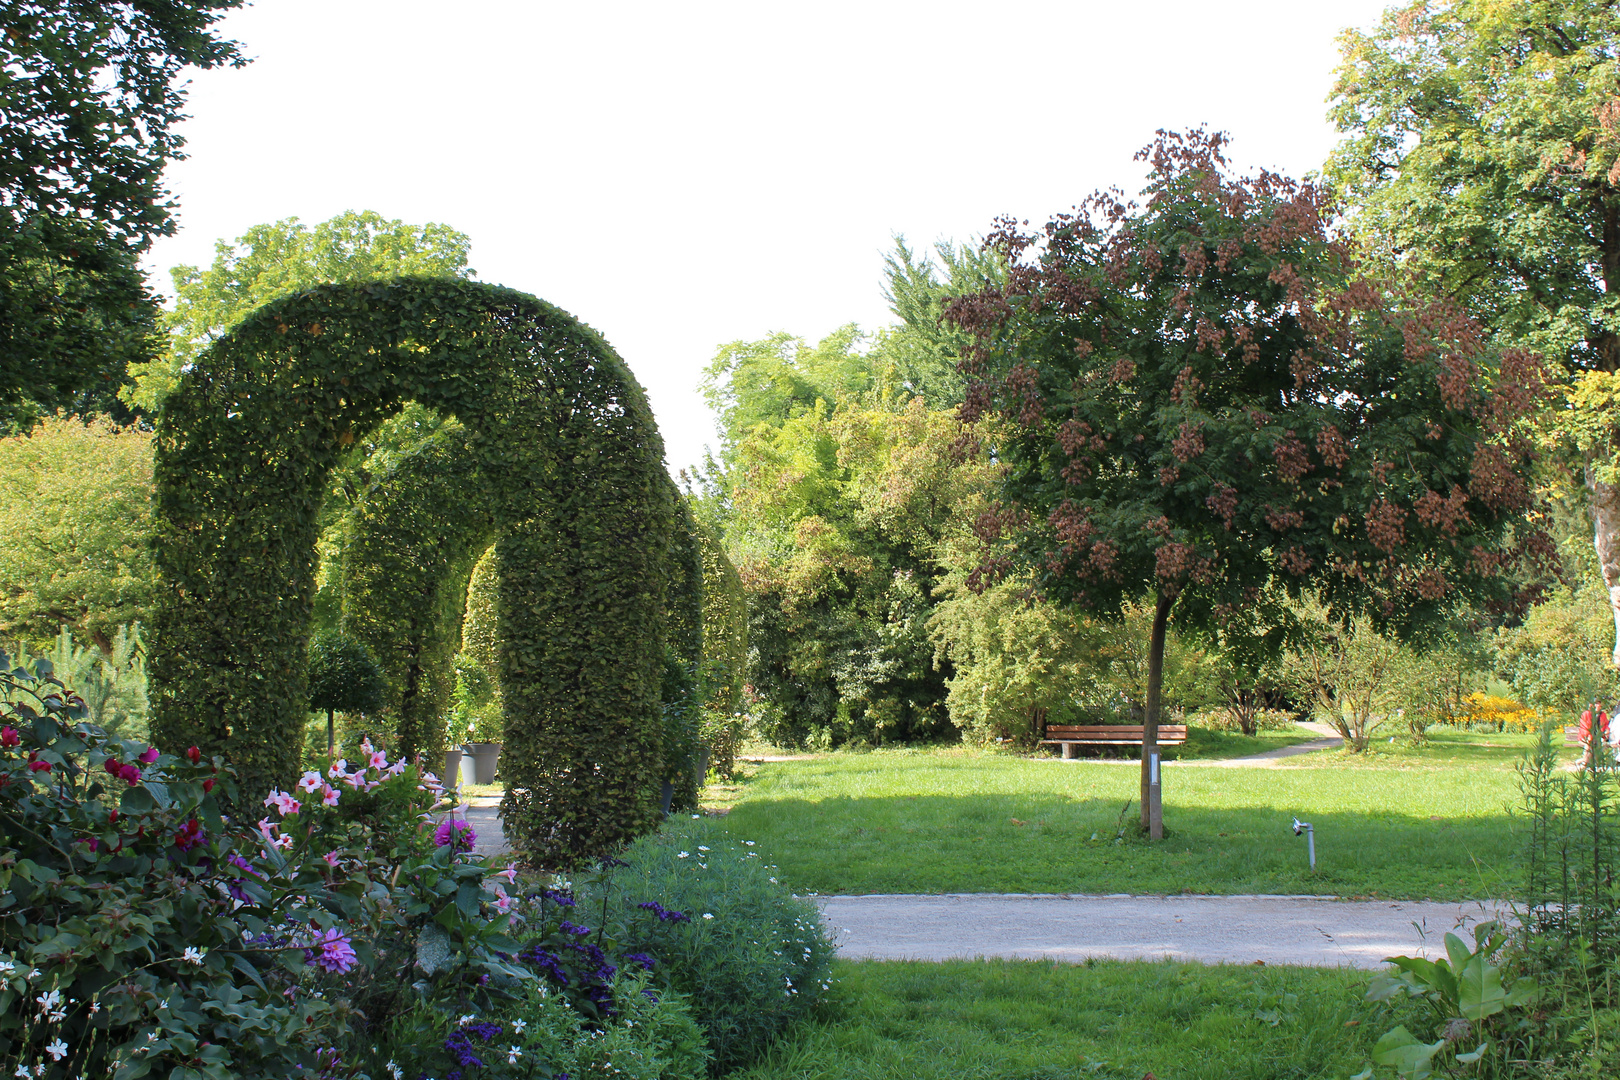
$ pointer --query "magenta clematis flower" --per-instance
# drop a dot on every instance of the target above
(149, 756)
(459, 833)
(9, 737)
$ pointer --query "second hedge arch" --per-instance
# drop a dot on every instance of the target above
(555, 456)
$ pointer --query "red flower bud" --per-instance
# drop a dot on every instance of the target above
(39, 766)
(194, 754)
(111, 765)
(112, 816)
(208, 784)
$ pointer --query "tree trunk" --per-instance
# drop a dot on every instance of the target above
(1152, 810)
(331, 742)
(1605, 505)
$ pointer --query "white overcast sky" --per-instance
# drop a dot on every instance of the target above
(681, 175)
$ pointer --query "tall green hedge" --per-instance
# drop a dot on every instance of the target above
(565, 462)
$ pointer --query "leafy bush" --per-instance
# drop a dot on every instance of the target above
(1559, 658)
(752, 958)
(147, 933)
(1223, 719)
(537, 1034)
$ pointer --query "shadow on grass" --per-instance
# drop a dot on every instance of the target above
(1046, 842)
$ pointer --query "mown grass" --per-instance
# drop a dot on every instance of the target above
(1036, 1020)
(1398, 823)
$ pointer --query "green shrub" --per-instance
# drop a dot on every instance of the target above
(752, 958)
(536, 1034)
(1224, 719)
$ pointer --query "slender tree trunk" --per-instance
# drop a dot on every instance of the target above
(1152, 810)
(331, 742)
(1605, 505)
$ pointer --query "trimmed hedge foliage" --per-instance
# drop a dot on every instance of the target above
(556, 458)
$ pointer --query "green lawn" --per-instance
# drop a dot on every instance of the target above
(1034, 1020)
(1401, 822)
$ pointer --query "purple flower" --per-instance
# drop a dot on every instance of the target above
(330, 951)
(457, 832)
(573, 928)
(664, 914)
(561, 899)
(641, 958)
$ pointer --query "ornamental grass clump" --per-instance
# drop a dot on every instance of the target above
(752, 958)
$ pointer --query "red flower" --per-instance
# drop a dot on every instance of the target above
(111, 765)
(39, 766)
(9, 737)
(208, 785)
(149, 756)
(194, 754)
(130, 774)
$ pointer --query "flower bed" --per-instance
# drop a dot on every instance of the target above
(341, 934)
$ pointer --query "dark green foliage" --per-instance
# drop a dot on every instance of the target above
(90, 104)
(343, 675)
(561, 457)
(752, 958)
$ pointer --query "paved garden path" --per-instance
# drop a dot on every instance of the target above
(1321, 931)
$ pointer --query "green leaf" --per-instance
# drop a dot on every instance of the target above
(1480, 993)
(1475, 1054)
(1409, 1057)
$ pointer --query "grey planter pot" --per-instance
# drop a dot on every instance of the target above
(482, 756)
(451, 776)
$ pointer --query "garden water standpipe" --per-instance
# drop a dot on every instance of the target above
(1310, 838)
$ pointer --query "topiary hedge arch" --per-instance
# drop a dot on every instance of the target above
(556, 457)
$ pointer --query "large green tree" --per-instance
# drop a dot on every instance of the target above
(283, 257)
(1482, 157)
(1201, 395)
(75, 517)
(90, 104)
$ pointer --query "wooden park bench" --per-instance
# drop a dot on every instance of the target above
(1070, 736)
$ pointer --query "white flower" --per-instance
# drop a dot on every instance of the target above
(748, 843)
(395, 1071)
(57, 1050)
(193, 955)
(469, 1018)
(519, 1025)
(682, 854)
(7, 967)
(708, 915)
(22, 1072)
(50, 1002)
(773, 881)
(513, 1054)
(702, 848)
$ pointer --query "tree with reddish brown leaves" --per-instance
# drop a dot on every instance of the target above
(1205, 397)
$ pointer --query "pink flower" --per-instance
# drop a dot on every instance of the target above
(503, 903)
(431, 783)
(130, 774)
(331, 858)
(340, 766)
(9, 737)
(329, 795)
(396, 768)
(379, 760)
(310, 781)
(330, 951)
(149, 756)
(284, 803)
(510, 873)
(365, 745)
